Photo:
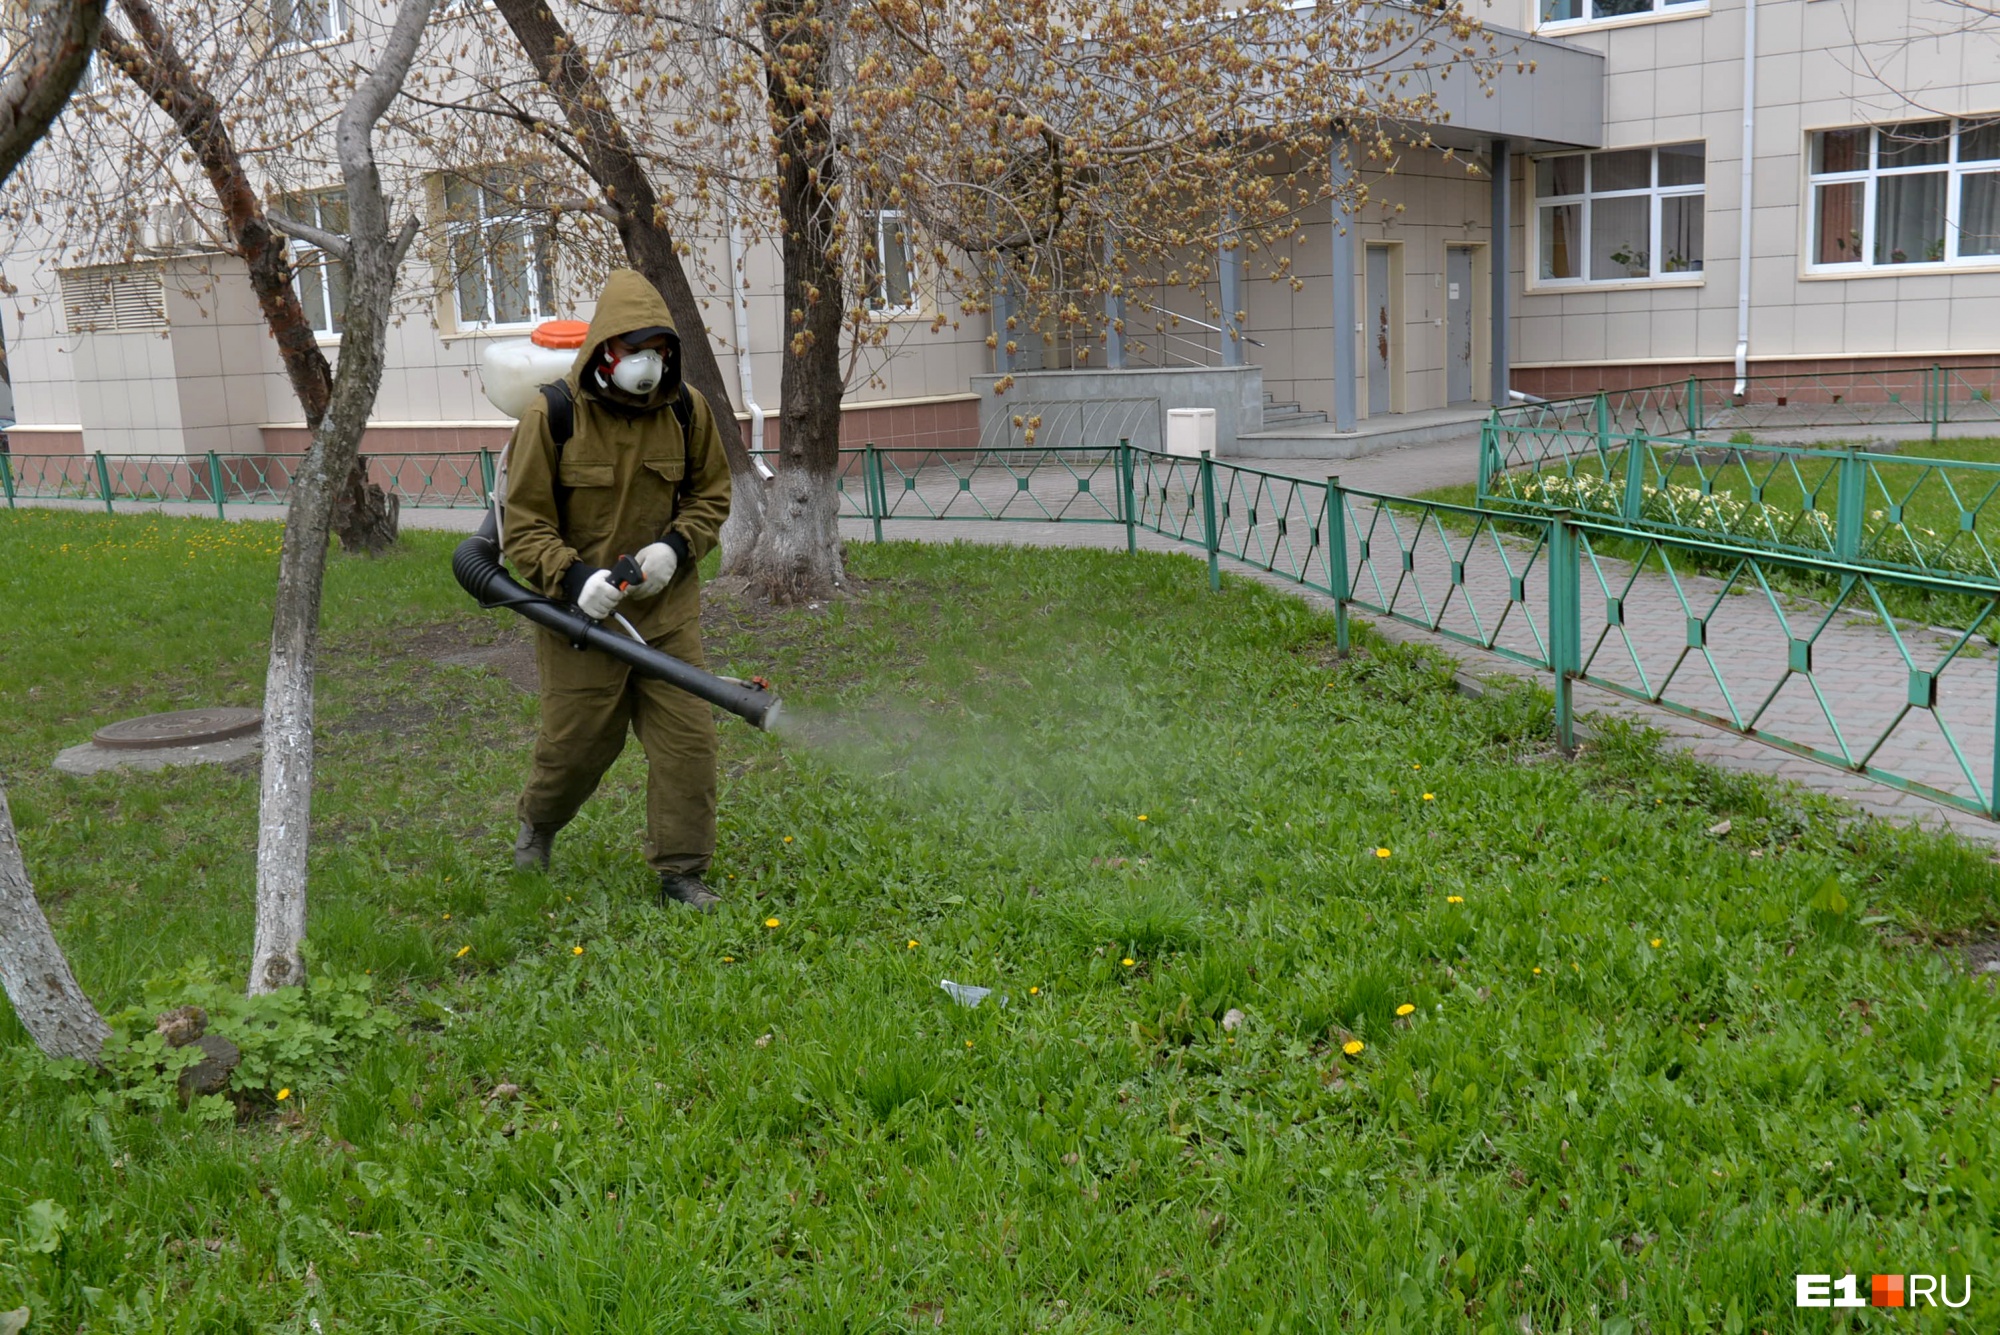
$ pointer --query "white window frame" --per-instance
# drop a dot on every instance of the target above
(1870, 178)
(310, 264)
(1654, 192)
(1660, 9)
(534, 279)
(878, 290)
(284, 39)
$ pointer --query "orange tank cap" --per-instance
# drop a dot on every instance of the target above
(560, 334)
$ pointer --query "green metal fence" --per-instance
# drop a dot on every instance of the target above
(1927, 395)
(1704, 622)
(1614, 456)
(421, 481)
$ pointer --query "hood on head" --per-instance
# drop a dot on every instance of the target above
(628, 302)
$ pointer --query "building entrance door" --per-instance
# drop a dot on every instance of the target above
(1458, 324)
(1379, 330)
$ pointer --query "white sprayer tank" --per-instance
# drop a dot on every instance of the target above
(513, 369)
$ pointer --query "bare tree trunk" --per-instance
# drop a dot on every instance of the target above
(152, 61)
(797, 556)
(34, 972)
(564, 67)
(374, 256)
(53, 1009)
(45, 71)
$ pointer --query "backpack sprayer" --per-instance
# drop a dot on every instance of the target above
(476, 566)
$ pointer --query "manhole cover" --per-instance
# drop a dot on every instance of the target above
(185, 727)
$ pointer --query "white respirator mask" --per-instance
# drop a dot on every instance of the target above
(639, 373)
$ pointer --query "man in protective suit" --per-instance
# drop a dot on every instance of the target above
(630, 479)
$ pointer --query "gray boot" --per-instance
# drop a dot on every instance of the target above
(688, 890)
(532, 848)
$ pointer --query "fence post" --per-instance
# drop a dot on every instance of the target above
(104, 482)
(1637, 454)
(487, 477)
(1565, 617)
(1993, 786)
(215, 483)
(1208, 520)
(876, 494)
(1125, 490)
(1850, 505)
(7, 478)
(1336, 561)
(1693, 405)
(1603, 411)
(1489, 452)
(1939, 398)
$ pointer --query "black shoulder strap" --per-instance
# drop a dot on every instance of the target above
(562, 413)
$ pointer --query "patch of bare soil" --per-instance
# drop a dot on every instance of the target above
(738, 624)
(1983, 957)
(503, 649)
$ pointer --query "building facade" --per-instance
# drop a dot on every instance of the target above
(1597, 225)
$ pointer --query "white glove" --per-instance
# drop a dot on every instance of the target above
(657, 562)
(600, 597)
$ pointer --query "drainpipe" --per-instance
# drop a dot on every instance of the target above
(1744, 219)
(739, 286)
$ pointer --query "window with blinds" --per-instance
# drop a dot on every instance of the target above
(111, 298)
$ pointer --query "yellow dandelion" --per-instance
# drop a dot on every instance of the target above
(1655, 943)
(1416, 767)
(1538, 968)
(1034, 991)
(788, 838)
(729, 959)
(576, 950)
(1142, 816)
(1405, 1009)
(1454, 899)
(1127, 961)
(771, 922)
(1381, 852)
(284, 1094)
(968, 1042)
(1352, 1047)
(913, 943)
(1430, 797)
(447, 917)
(463, 951)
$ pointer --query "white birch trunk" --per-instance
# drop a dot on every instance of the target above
(374, 256)
(36, 974)
(798, 557)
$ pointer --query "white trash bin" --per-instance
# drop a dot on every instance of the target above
(1190, 432)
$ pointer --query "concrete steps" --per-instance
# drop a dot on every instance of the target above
(1284, 416)
(1321, 440)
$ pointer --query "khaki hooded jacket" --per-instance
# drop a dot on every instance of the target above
(626, 477)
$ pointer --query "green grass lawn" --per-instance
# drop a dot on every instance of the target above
(1522, 1037)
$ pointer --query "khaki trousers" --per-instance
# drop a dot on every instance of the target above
(589, 699)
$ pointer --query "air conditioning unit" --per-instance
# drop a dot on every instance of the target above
(169, 228)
